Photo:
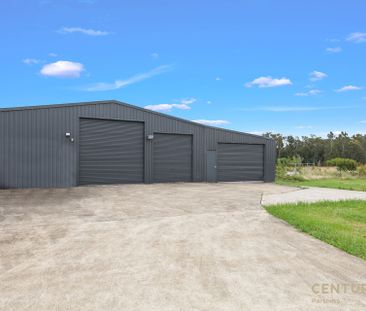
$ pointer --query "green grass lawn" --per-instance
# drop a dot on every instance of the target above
(338, 183)
(341, 223)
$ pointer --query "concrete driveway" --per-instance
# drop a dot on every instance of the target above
(165, 247)
(312, 194)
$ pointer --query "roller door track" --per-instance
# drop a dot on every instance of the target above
(172, 158)
(240, 162)
(111, 152)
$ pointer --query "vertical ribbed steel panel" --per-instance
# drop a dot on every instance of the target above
(214, 136)
(239, 162)
(111, 152)
(172, 158)
(34, 151)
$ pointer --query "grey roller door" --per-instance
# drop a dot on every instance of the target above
(172, 158)
(111, 152)
(237, 162)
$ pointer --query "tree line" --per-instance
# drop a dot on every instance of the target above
(317, 150)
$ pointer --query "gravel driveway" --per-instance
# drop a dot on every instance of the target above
(165, 247)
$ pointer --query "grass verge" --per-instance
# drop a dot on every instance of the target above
(358, 184)
(341, 224)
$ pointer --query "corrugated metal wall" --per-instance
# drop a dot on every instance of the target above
(34, 151)
(236, 162)
(172, 158)
(111, 152)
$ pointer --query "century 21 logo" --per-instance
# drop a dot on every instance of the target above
(335, 288)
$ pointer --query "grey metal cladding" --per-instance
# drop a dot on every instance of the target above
(172, 158)
(236, 162)
(211, 166)
(111, 152)
(35, 153)
(214, 136)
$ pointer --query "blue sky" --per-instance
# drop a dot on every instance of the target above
(283, 66)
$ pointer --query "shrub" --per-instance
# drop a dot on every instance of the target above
(293, 178)
(343, 164)
(283, 162)
(289, 168)
(331, 162)
(361, 170)
(281, 167)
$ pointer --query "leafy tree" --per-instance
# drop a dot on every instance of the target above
(317, 150)
(279, 139)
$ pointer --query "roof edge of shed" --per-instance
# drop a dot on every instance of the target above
(113, 101)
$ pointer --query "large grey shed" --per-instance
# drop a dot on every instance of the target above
(109, 142)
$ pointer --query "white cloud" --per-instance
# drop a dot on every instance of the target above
(314, 92)
(154, 55)
(31, 61)
(334, 50)
(167, 107)
(309, 93)
(317, 75)
(349, 88)
(102, 86)
(188, 101)
(211, 122)
(89, 32)
(259, 132)
(63, 69)
(218, 79)
(363, 121)
(357, 37)
(209, 102)
(52, 55)
(268, 82)
(182, 105)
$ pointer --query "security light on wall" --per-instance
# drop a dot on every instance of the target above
(68, 135)
(150, 137)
